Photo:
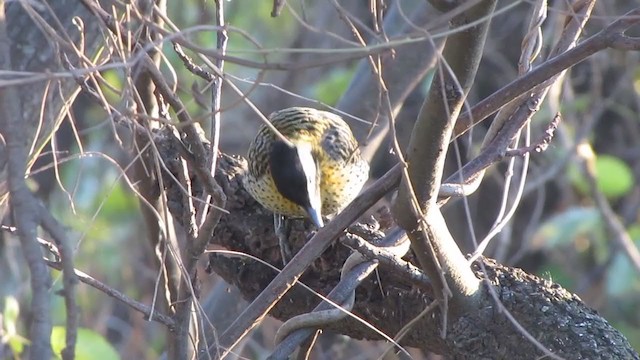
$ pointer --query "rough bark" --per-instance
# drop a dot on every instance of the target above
(557, 318)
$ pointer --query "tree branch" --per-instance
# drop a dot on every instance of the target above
(539, 77)
(152, 315)
(69, 279)
(430, 238)
(23, 204)
(261, 305)
(552, 315)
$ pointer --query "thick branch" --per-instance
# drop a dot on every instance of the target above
(559, 320)
(426, 154)
(283, 282)
(23, 205)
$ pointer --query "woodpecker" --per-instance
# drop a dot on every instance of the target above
(312, 169)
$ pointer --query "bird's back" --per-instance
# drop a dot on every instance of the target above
(342, 169)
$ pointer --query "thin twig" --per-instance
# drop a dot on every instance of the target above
(339, 294)
(609, 37)
(389, 261)
(117, 295)
(530, 49)
(277, 7)
(394, 244)
(69, 279)
(529, 106)
(542, 144)
(210, 214)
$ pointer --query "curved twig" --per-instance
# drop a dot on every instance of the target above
(393, 245)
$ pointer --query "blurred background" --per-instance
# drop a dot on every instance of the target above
(562, 229)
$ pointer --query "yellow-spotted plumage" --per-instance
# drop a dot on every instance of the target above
(337, 172)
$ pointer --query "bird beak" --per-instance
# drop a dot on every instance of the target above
(314, 214)
(309, 166)
(314, 209)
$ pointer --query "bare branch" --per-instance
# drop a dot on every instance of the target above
(152, 315)
(539, 77)
(23, 204)
(543, 143)
(69, 279)
(430, 238)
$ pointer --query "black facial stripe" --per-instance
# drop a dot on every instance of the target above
(288, 173)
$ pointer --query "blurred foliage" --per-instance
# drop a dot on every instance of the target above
(329, 89)
(570, 226)
(90, 346)
(614, 178)
(622, 277)
(104, 223)
(576, 242)
(112, 88)
(10, 319)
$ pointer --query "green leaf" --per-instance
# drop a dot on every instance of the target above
(90, 345)
(634, 232)
(614, 178)
(115, 79)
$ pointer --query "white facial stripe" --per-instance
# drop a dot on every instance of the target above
(311, 172)
(308, 164)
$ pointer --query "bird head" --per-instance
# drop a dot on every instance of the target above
(295, 174)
